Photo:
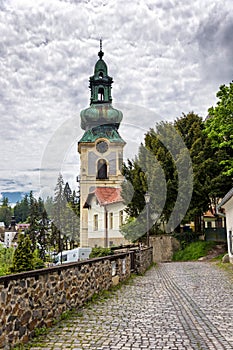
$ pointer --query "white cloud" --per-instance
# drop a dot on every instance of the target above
(167, 56)
(215, 41)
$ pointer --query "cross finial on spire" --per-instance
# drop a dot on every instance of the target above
(100, 54)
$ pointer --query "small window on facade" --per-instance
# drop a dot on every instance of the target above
(64, 258)
(101, 75)
(102, 169)
(111, 220)
(121, 217)
(95, 222)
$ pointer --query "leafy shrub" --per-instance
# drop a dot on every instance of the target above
(186, 238)
(98, 252)
(38, 263)
(6, 258)
(193, 251)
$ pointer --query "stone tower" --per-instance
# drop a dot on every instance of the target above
(101, 147)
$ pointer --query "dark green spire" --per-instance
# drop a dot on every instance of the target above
(100, 111)
(100, 82)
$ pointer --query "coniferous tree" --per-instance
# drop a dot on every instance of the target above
(43, 234)
(48, 204)
(67, 192)
(21, 210)
(65, 215)
(58, 216)
(23, 255)
(33, 220)
(5, 212)
(73, 215)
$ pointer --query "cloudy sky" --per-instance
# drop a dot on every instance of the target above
(166, 57)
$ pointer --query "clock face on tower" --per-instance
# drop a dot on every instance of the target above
(102, 146)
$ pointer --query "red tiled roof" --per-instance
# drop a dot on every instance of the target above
(209, 214)
(105, 195)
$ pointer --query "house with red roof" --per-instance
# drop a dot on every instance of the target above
(105, 216)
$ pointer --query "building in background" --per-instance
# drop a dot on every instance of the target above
(227, 204)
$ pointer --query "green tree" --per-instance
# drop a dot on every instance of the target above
(209, 182)
(191, 128)
(219, 127)
(134, 187)
(73, 218)
(43, 234)
(49, 206)
(59, 206)
(67, 192)
(6, 258)
(158, 141)
(33, 219)
(38, 229)
(161, 168)
(66, 216)
(21, 210)
(23, 255)
(153, 170)
(5, 212)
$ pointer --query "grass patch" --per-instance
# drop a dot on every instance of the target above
(40, 331)
(219, 257)
(193, 251)
(226, 266)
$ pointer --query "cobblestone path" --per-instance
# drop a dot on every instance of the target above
(176, 306)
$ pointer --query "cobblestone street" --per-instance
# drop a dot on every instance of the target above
(176, 306)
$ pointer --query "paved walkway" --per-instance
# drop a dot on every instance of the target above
(176, 306)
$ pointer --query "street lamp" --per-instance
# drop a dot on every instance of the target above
(61, 244)
(106, 226)
(147, 200)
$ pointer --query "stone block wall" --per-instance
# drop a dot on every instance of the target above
(164, 247)
(143, 260)
(36, 298)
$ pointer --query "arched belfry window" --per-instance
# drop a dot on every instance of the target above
(102, 172)
(100, 94)
(101, 75)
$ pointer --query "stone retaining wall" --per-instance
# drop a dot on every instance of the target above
(164, 247)
(36, 298)
(143, 260)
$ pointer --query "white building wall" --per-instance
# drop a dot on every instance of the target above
(229, 223)
(8, 239)
(114, 234)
